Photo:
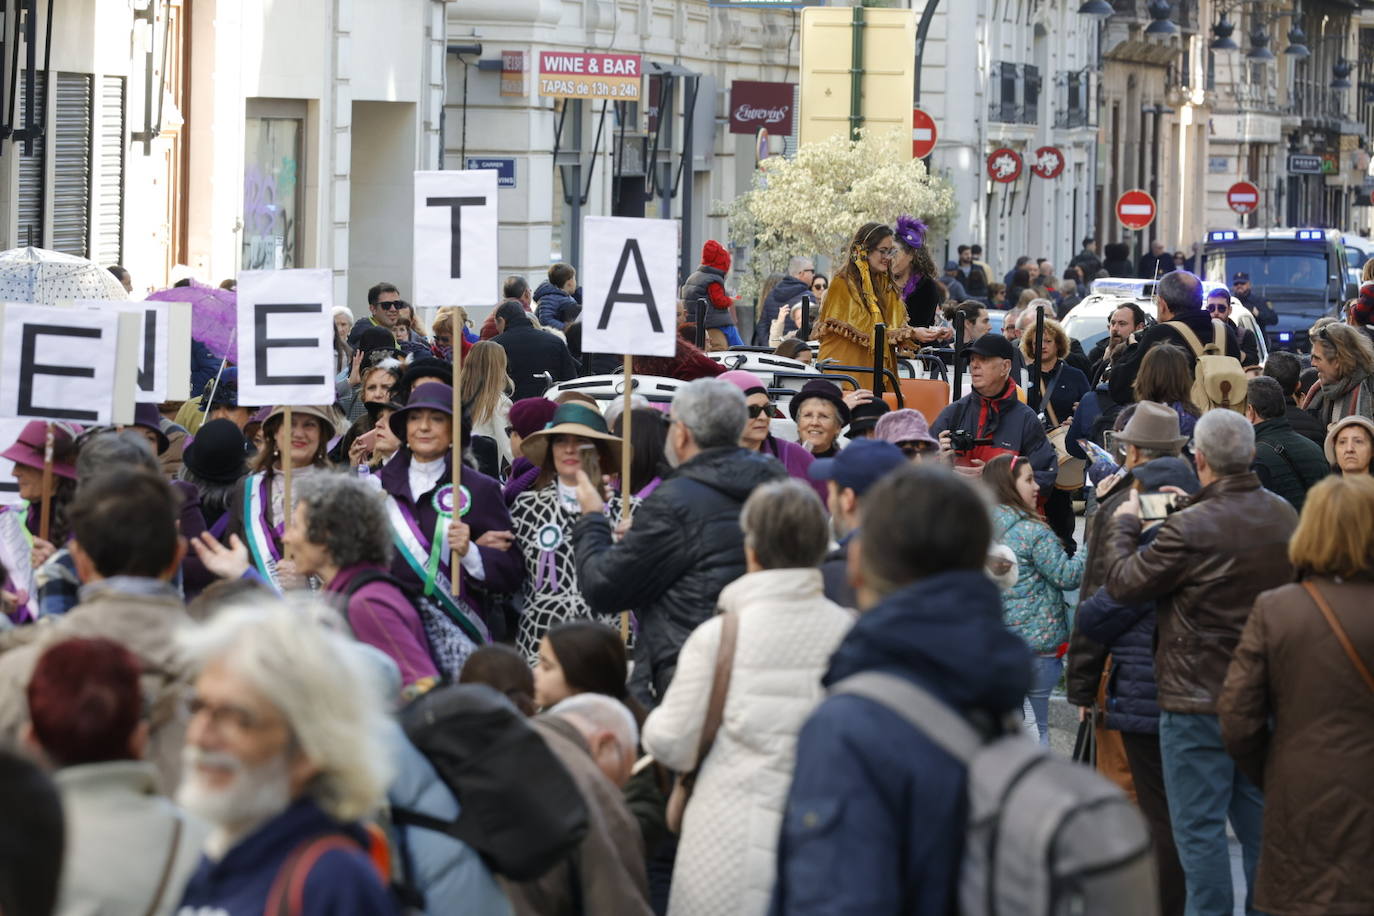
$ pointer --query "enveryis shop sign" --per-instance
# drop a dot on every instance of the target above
(754, 105)
(570, 75)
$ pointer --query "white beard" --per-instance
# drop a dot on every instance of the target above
(255, 795)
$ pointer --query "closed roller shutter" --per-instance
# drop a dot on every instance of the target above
(29, 210)
(71, 172)
(107, 237)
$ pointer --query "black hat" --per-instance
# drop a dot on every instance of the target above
(377, 338)
(820, 388)
(865, 416)
(991, 345)
(426, 367)
(218, 453)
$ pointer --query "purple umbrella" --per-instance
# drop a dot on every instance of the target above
(213, 315)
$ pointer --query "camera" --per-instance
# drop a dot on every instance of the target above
(1155, 506)
(962, 441)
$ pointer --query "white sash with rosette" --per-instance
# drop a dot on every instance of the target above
(414, 546)
(262, 546)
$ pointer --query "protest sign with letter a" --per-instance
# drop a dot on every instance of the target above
(68, 364)
(164, 353)
(286, 337)
(455, 238)
(629, 290)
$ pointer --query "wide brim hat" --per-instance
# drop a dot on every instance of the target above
(429, 396)
(218, 453)
(905, 425)
(324, 413)
(826, 390)
(1153, 426)
(29, 447)
(1356, 420)
(573, 419)
(865, 416)
(147, 417)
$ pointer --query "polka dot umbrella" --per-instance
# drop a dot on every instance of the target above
(50, 277)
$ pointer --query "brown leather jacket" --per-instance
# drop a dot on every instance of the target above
(1205, 569)
(1316, 763)
(1087, 657)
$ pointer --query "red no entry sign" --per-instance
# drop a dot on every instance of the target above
(1243, 197)
(923, 134)
(1135, 209)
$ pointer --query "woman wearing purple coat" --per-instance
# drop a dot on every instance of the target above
(757, 437)
(430, 518)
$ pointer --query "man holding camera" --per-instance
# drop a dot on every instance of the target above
(990, 420)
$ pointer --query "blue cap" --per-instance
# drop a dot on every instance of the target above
(860, 465)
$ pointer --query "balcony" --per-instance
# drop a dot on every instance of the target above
(1315, 100)
(1014, 93)
(1075, 98)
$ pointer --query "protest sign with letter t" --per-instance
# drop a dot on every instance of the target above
(455, 238)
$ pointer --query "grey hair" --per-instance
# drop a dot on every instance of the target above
(1068, 285)
(342, 310)
(1045, 304)
(1180, 290)
(1227, 440)
(107, 451)
(799, 264)
(348, 517)
(617, 406)
(713, 412)
(601, 713)
(1265, 396)
(785, 525)
(330, 697)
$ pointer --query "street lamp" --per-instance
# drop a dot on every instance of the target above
(1297, 43)
(1160, 11)
(1259, 45)
(1100, 8)
(1221, 35)
(1340, 73)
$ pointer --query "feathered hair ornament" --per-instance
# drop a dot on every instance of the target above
(911, 232)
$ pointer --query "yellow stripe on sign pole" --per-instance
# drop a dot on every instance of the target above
(886, 73)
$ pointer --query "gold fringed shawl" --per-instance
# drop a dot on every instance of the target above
(845, 325)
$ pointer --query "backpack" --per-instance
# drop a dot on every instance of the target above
(519, 806)
(449, 645)
(1218, 379)
(1045, 836)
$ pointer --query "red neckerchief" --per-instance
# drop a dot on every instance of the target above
(993, 404)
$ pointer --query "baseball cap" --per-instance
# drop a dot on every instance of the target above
(860, 465)
(951, 265)
(991, 345)
(1239, 276)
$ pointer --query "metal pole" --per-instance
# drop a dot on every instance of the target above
(804, 325)
(958, 357)
(574, 246)
(1035, 361)
(856, 73)
(665, 123)
(879, 358)
(922, 29)
(688, 259)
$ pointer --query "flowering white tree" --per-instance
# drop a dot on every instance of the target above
(812, 204)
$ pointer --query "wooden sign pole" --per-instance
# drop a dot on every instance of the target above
(45, 510)
(626, 454)
(455, 471)
(286, 463)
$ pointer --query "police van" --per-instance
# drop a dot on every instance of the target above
(1303, 272)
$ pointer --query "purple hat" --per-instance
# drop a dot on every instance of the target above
(147, 417)
(426, 396)
(529, 415)
(905, 425)
(910, 231)
(28, 448)
(747, 382)
(826, 390)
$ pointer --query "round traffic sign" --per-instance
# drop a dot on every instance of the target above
(1049, 162)
(1135, 209)
(1243, 197)
(923, 134)
(1004, 165)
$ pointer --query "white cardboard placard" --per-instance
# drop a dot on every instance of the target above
(455, 238)
(629, 290)
(77, 365)
(286, 337)
(164, 358)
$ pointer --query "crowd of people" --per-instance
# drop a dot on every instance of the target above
(314, 660)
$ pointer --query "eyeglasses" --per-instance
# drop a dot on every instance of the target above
(914, 447)
(510, 431)
(757, 410)
(822, 287)
(393, 305)
(1218, 306)
(887, 252)
(227, 717)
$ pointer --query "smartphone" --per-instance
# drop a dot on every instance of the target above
(591, 463)
(1155, 506)
(367, 440)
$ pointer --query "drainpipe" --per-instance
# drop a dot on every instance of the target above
(856, 72)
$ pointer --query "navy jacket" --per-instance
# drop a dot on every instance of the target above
(1070, 385)
(876, 812)
(556, 307)
(1011, 425)
(788, 292)
(204, 366)
(342, 883)
(1198, 321)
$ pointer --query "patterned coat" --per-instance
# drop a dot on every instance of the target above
(1034, 607)
(543, 529)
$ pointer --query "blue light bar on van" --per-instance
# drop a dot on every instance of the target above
(1227, 235)
(1114, 286)
(1285, 337)
(1311, 235)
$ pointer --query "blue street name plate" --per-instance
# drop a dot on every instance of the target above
(503, 167)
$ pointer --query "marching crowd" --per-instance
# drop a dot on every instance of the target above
(309, 660)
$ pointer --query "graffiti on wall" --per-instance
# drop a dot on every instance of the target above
(271, 194)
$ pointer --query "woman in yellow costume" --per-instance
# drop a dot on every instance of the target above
(862, 294)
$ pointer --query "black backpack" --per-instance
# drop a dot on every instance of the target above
(519, 806)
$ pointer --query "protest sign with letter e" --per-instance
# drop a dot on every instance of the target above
(630, 307)
(455, 263)
(286, 345)
(164, 357)
(67, 365)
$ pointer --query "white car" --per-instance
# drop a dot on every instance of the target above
(1088, 321)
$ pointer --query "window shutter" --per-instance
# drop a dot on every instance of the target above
(29, 211)
(71, 174)
(107, 237)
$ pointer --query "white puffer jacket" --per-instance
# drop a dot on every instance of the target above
(787, 633)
